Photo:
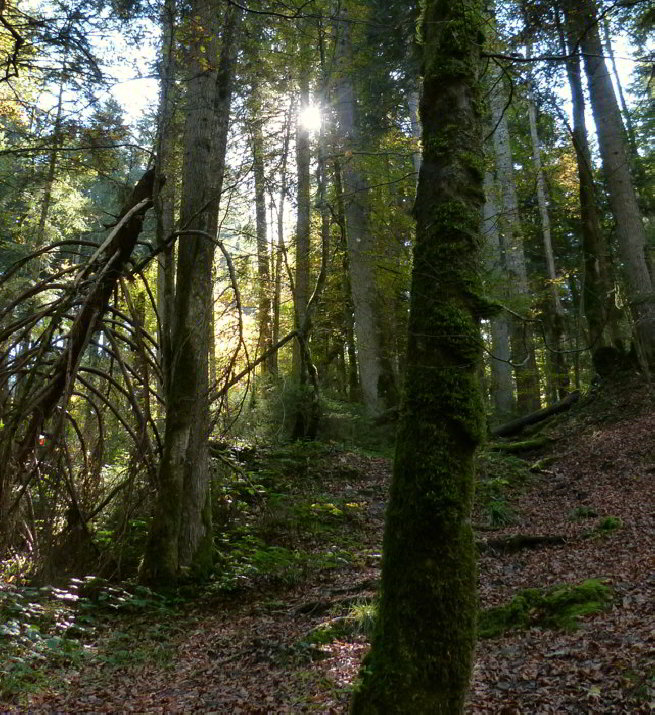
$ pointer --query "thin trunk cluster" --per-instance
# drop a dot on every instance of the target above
(180, 539)
(521, 329)
(629, 229)
(376, 374)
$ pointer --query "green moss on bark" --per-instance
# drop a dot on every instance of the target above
(422, 649)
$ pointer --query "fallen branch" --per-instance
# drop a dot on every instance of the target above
(100, 287)
(515, 426)
(518, 542)
(514, 447)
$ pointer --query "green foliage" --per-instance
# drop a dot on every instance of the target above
(46, 629)
(266, 505)
(500, 476)
(358, 621)
(500, 512)
(269, 419)
(608, 524)
(559, 608)
(347, 423)
(122, 541)
(249, 559)
(492, 465)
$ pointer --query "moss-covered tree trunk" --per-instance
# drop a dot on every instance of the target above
(420, 661)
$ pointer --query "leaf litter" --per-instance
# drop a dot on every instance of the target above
(249, 651)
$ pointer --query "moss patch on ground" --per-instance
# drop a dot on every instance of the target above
(558, 608)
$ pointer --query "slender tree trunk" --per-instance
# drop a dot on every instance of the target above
(555, 312)
(301, 360)
(630, 230)
(502, 389)
(415, 123)
(281, 249)
(46, 203)
(265, 340)
(354, 392)
(165, 186)
(180, 537)
(645, 199)
(598, 295)
(421, 657)
(303, 157)
(522, 336)
(629, 128)
(376, 376)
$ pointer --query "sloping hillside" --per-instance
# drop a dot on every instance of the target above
(285, 627)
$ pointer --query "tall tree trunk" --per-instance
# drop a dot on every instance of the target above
(301, 360)
(46, 203)
(502, 389)
(522, 335)
(164, 193)
(645, 199)
(421, 657)
(630, 230)
(301, 282)
(377, 380)
(598, 296)
(180, 537)
(265, 340)
(280, 249)
(354, 393)
(413, 100)
(555, 312)
(629, 128)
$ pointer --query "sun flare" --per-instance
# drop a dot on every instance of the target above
(310, 118)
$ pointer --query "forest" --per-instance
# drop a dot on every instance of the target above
(327, 330)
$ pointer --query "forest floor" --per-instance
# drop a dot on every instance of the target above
(288, 632)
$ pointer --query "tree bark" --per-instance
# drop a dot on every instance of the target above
(265, 339)
(555, 322)
(502, 388)
(629, 127)
(515, 426)
(354, 393)
(413, 100)
(164, 191)
(522, 334)
(301, 293)
(280, 248)
(180, 540)
(377, 381)
(598, 294)
(630, 230)
(421, 657)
